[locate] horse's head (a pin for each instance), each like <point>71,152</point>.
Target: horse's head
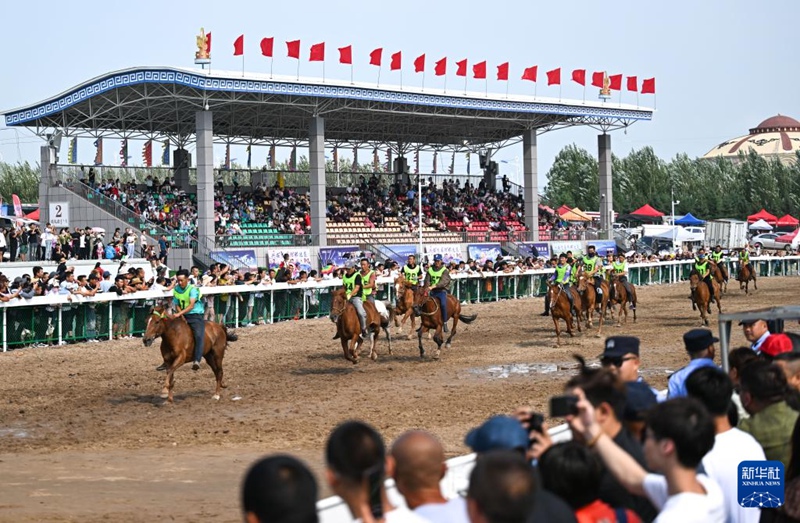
<point>552,291</point>
<point>694,280</point>
<point>420,298</point>
<point>400,285</point>
<point>583,281</point>
<point>338,304</point>
<point>156,324</point>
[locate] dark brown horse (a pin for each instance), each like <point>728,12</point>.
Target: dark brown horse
<point>720,274</point>
<point>405,305</point>
<point>429,310</point>
<point>559,308</point>
<point>745,276</point>
<point>587,286</point>
<point>621,297</point>
<point>348,328</point>
<point>701,296</point>
<point>177,346</point>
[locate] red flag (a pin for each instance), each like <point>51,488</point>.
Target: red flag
<point>502,71</point>
<point>649,86</point>
<point>633,84</point>
<point>375,56</point>
<point>346,55</point>
<point>293,49</point>
<point>554,77</point>
<point>440,68</point>
<point>579,76</point>
<point>267,45</point>
<point>317,53</point>
<point>397,59</point>
<point>419,63</point>
<point>461,68</point>
<point>615,82</point>
<point>530,73</point>
<point>238,46</point>
<point>479,70</point>
<point>597,79</point>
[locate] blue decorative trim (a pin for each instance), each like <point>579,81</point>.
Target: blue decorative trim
<point>205,83</point>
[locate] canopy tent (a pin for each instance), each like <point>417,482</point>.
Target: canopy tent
<point>33,215</point>
<point>563,210</point>
<point>689,221</point>
<point>575,215</point>
<point>646,210</point>
<point>788,221</point>
<point>678,234</point>
<point>545,208</point>
<point>787,238</point>
<point>760,225</point>
<point>763,215</point>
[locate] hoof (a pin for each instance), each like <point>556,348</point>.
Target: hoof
<point>408,336</point>
<point>446,345</point>
<point>163,395</point>
<point>215,397</point>
<point>374,356</point>
<point>436,354</point>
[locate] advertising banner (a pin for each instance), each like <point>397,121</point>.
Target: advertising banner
<point>449,251</point>
<point>558,247</point>
<point>238,259</point>
<point>401,252</point>
<point>603,246</point>
<point>299,256</point>
<point>483,252</point>
<point>535,249</point>
<point>336,256</point>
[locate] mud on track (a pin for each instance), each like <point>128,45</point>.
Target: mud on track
<point>85,437</point>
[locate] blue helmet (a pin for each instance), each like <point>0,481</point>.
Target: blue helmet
<point>437,257</point>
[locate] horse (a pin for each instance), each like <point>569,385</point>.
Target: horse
<point>621,298</point>
<point>702,297</point>
<point>344,315</point>
<point>177,346</point>
<point>720,274</point>
<point>429,310</point>
<point>746,274</point>
<point>405,305</point>
<point>587,286</point>
<point>559,308</point>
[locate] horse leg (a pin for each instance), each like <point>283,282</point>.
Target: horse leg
<point>169,380</point>
<point>373,354</point>
<point>558,331</point>
<point>388,339</point>
<point>216,366</point>
<point>354,347</point>
<point>452,331</point>
<point>634,305</point>
<point>603,305</point>
<point>755,287</point>
<point>419,339</point>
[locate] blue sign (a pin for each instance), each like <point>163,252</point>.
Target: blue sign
<point>399,253</point>
<point>239,259</point>
<point>535,249</point>
<point>483,252</point>
<point>760,484</point>
<point>603,246</point>
<point>336,256</point>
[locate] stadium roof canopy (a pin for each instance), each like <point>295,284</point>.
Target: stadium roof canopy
<point>160,102</point>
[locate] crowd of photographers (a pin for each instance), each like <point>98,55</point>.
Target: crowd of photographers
<point>634,454</point>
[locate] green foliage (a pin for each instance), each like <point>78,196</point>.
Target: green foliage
<point>572,180</point>
<point>20,179</point>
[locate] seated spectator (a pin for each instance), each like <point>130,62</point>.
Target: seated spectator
<point>699,344</point>
<point>763,391</point>
<point>713,388</point>
<point>419,466</point>
<point>679,433</point>
<point>573,473</point>
<point>502,489</point>
<point>279,489</point>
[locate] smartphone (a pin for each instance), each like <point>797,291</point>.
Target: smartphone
<point>561,406</point>
<point>535,422</point>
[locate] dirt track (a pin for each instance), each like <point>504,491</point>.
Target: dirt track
<point>85,436</point>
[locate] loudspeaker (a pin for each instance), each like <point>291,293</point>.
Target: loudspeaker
<point>482,161</point>
<point>54,140</point>
<point>181,159</point>
<point>400,165</point>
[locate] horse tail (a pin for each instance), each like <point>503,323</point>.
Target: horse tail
<point>229,335</point>
<point>468,318</point>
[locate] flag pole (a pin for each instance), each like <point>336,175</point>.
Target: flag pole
<point>423,80</point>
<point>271,61</point>
<point>486,87</point>
<point>507,82</point>
<point>584,92</point>
<point>445,84</point>
<point>465,84</point>
<point>401,79</point>
<point>351,73</point>
<point>242,65</point>
<point>298,68</point>
<point>323,71</point>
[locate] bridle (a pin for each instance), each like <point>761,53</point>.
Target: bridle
<point>428,299</point>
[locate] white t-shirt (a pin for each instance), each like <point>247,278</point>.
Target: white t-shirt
<point>721,464</point>
<point>686,507</point>
<point>454,511</point>
<point>400,515</point>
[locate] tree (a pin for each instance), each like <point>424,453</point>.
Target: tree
<point>643,178</point>
<point>573,180</point>
<point>20,179</point>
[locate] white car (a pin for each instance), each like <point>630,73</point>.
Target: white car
<point>768,241</point>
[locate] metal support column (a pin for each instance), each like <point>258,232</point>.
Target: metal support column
<point>530,183</point>
<point>47,159</point>
<point>205,178</point>
<point>316,160</point>
<point>606,187</point>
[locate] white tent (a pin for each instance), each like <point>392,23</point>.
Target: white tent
<point>678,234</point>
<point>760,225</point>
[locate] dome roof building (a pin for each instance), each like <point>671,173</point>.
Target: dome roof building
<point>777,137</point>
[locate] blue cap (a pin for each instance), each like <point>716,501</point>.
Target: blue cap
<point>437,257</point>
<point>619,346</point>
<point>498,432</point>
<point>639,399</point>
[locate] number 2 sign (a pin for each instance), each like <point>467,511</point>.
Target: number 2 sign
<point>59,214</point>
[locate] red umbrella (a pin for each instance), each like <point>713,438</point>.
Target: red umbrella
<point>788,220</point>
<point>762,215</point>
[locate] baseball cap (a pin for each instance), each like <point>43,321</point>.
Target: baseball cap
<point>498,432</point>
<point>749,322</point>
<point>698,339</point>
<point>106,274</point>
<point>619,346</point>
<point>639,399</point>
<point>776,344</point>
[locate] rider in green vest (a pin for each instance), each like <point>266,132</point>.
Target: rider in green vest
<point>411,271</point>
<point>351,281</point>
<point>439,283</point>
<point>703,268</point>
<point>620,269</point>
<point>368,278</point>
<point>717,257</point>
<point>593,266</point>
<point>186,298</point>
<point>562,277</point>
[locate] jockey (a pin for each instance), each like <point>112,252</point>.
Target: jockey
<point>620,269</point>
<point>439,282</point>
<point>412,272</point>
<point>351,281</point>
<point>716,257</point>
<point>186,297</point>
<point>368,278</point>
<point>593,266</point>
<point>562,277</point>
<point>744,256</point>
<point>703,268</point>
<point>608,265</point>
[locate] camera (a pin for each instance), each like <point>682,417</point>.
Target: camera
<point>561,406</point>
<point>535,422</point>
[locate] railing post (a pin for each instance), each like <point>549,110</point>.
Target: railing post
<point>236,312</point>
<point>305,304</point>
<point>60,325</point>
<point>272,305</point>
<point>5,329</point>
<point>496,287</point>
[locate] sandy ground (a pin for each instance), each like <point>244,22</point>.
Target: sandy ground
<point>85,436</point>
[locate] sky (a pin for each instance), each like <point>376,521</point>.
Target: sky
<point>721,67</point>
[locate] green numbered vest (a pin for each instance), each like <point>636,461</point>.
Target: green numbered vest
<point>412,275</point>
<point>619,267</point>
<point>561,273</point>
<point>349,282</point>
<point>435,275</point>
<point>744,256</point>
<point>590,263</point>
<point>183,296</point>
<point>701,268</point>
<point>365,280</point>
<point>716,256</point>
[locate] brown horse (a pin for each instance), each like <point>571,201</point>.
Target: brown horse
<point>348,328</point>
<point>405,305</point>
<point>702,297</point>
<point>559,308</point>
<point>177,346</point>
<point>587,286</point>
<point>429,310</point>
<point>745,276</point>
<point>720,274</point>
<point>621,298</point>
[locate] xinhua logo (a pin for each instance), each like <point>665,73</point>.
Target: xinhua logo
<point>761,484</point>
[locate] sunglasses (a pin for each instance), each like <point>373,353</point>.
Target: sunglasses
<point>617,362</point>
